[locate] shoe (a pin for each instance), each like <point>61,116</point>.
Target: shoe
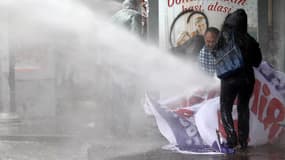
<point>231,145</point>
<point>243,145</point>
<point>242,150</point>
<point>232,142</point>
<point>224,148</point>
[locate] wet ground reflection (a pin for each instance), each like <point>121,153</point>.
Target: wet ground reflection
<point>21,150</point>
<point>267,152</point>
<point>121,150</point>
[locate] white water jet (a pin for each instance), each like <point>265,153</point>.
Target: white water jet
<point>93,61</point>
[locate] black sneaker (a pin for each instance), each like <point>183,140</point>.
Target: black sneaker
<point>242,150</point>
<point>243,145</point>
<point>232,142</point>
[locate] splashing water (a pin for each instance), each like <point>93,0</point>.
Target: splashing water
<point>93,61</point>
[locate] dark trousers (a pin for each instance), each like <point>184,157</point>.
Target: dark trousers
<point>240,87</point>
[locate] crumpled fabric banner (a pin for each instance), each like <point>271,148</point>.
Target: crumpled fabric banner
<point>190,123</point>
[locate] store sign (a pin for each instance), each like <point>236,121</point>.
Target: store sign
<point>205,13</point>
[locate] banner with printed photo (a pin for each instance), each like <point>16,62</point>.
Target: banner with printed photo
<point>206,13</point>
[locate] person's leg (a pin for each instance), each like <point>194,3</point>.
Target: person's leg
<point>244,95</point>
<point>227,97</point>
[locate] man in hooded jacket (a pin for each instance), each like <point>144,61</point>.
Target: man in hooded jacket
<point>239,84</point>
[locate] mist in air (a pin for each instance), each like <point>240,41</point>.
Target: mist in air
<point>97,67</point>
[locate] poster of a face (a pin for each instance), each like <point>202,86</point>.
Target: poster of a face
<point>199,14</point>
<point>197,25</point>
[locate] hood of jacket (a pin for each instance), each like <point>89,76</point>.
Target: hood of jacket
<point>237,21</point>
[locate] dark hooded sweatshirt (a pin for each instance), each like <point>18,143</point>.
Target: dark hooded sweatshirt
<point>236,24</point>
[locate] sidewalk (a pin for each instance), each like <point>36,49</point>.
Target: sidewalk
<point>66,128</point>
<point>37,129</point>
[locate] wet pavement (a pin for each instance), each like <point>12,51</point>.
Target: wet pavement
<point>252,154</point>
<point>143,151</point>
<point>55,139</point>
<point>32,150</point>
<point>40,139</point>
<point>119,150</point>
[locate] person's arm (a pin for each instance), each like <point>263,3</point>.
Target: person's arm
<point>258,56</point>
<point>201,59</point>
<point>255,56</point>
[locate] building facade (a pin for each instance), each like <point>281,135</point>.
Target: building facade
<point>265,22</point>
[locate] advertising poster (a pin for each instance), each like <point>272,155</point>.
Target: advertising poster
<point>180,20</point>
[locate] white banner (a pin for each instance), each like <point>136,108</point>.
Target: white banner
<point>214,12</point>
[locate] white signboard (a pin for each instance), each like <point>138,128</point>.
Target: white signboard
<point>212,14</point>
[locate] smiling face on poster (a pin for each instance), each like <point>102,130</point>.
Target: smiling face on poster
<point>214,11</point>
<point>197,25</point>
